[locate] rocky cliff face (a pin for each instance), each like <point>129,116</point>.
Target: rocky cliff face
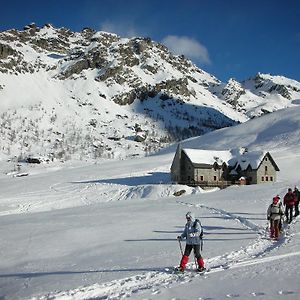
<point>83,94</point>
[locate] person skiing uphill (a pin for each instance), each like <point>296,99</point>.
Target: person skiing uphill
<point>274,214</point>
<point>193,234</point>
<point>289,201</point>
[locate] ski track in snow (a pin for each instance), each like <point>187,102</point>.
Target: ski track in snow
<point>62,194</point>
<point>156,280</point>
<point>81,193</point>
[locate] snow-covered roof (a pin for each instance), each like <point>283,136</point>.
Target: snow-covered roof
<point>234,158</point>
<point>243,160</point>
<point>199,156</point>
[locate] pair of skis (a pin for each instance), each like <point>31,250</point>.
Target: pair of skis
<point>201,272</point>
<point>177,270</point>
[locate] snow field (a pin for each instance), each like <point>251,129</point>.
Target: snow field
<point>108,230</point>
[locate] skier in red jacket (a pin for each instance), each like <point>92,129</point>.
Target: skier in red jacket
<point>289,201</point>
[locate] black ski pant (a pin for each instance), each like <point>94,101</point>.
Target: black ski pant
<point>188,249</point>
<point>289,213</point>
<point>297,209</point>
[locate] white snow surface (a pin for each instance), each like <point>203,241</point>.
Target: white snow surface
<point>108,230</point>
<point>208,156</point>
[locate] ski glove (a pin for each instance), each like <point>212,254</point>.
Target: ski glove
<point>195,234</point>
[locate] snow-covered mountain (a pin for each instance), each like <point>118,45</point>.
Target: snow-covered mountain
<point>261,94</point>
<point>91,94</point>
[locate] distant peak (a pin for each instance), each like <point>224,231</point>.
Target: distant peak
<point>48,25</point>
<point>32,25</point>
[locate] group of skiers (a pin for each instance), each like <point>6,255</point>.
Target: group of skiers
<point>193,230</point>
<point>275,211</point>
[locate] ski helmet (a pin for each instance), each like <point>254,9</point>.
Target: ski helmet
<point>189,215</point>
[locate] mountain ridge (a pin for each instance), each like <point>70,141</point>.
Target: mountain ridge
<point>92,94</point>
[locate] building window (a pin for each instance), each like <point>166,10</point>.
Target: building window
<point>215,178</point>
<point>266,169</point>
<point>267,178</point>
<point>262,178</point>
<point>201,178</point>
<point>271,178</point>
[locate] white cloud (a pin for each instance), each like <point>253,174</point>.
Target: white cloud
<point>123,30</point>
<point>188,47</point>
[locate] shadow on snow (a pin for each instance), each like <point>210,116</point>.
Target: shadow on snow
<point>149,178</point>
<point>55,273</point>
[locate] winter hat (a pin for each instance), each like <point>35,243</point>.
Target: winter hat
<point>189,215</point>
<point>276,199</point>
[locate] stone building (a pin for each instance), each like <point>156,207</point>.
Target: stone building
<point>208,168</point>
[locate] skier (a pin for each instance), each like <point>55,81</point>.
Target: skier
<point>297,196</point>
<point>289,201</point>
<point>274,214</point>
<point>193,233</point>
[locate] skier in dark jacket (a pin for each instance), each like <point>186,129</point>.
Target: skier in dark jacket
<point>297,196</point>
<point>289,201</point>
<point>193,234</point>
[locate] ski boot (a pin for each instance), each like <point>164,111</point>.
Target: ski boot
<point>179,270</point>
<point>201,270</point>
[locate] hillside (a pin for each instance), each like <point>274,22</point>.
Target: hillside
<point>272,132</point>
<point>89,95</point>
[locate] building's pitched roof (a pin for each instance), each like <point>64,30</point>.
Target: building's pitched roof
<point>244,160</point>
<point>208,157</point>
<point>233,158</point>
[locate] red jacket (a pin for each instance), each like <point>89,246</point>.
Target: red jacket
<point>289,199</point>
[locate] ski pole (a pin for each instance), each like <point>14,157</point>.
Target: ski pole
<point>180,247</point>
<point>196,264</point>
<point>201,244</point>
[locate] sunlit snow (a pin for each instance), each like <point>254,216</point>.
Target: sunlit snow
<point>108,230</point>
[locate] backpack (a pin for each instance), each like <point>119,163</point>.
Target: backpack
<point>275,209</point>
<point>195,224</point>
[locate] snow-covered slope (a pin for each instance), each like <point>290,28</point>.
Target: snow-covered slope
<point>86,95</point>
<point>278,130</point>
<point>108,230</point>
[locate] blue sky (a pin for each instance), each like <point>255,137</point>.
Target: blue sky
<point>227,38</point>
